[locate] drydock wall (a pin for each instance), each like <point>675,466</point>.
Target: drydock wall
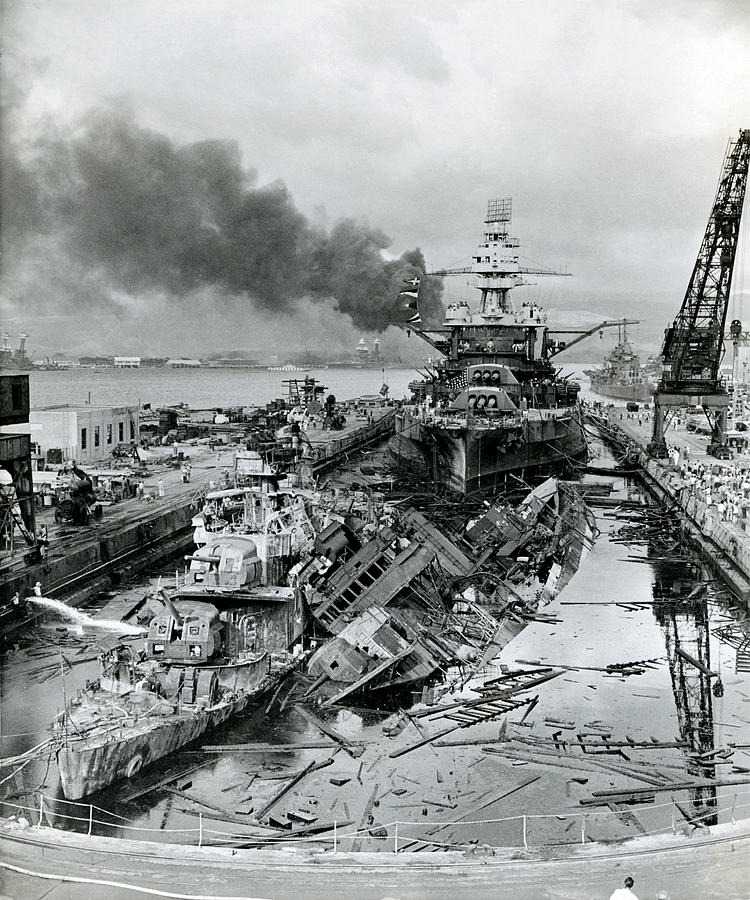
<point>97,554</point>
<point>728,556</point>
<point>710,865</point>
<point>726,549</point>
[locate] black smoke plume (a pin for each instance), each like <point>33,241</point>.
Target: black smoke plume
<point>144,214</point>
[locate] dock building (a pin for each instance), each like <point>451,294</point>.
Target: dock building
<point>16,487</point>
<point>85,434</point>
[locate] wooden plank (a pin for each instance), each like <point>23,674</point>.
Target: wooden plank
<point>218,809</point>
<point>267,748</point>
<point>603,797</point>
<point>693,661</point>
<point>262,840</point>
<point>494,799</point>
<point>133,795</point>
<point>353,749</point>
<point>396,753</point>
<point>357,842</point>
<point>626,816</point>
<point>313,767</point>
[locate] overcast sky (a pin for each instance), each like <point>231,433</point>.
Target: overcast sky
<point>605,121</point>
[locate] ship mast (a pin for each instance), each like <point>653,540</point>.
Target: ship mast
<point>495,262</point>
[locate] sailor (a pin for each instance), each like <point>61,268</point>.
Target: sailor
<point>42,541</point>
<point>624,893</point>
<point>160,487</point>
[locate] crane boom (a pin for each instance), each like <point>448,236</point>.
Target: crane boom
<point>694,343</point>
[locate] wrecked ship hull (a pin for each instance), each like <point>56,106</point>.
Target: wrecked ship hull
<point>99,757</point>
<point>87,767</point>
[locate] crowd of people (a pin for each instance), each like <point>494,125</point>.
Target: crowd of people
<point>723,488</point>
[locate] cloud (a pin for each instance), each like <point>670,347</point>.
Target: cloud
<point>606,123</point>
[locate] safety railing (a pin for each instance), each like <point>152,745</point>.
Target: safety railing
<point>399,835</point>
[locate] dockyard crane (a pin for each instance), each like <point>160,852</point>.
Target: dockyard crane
<point>694,343</point>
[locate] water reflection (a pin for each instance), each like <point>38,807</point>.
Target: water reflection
<point>681,609</point>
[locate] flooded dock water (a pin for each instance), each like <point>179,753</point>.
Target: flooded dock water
<point>641,727</point>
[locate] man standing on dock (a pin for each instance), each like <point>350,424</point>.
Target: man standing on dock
<point>624,893</point>
<point>160,487</point>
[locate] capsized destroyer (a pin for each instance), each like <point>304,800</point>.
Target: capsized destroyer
<point>493,403</point>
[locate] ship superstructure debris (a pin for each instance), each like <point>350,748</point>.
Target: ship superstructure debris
<point>396,602</point>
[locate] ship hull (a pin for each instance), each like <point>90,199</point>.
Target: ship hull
<point>640,392</point>
<point>472,459</point>
<point>94,760</point>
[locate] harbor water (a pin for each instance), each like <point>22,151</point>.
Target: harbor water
<point>209,388</point>
<point>201,388</point>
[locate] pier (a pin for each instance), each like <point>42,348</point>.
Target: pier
<point>329,449</point>
<point>723,537</point>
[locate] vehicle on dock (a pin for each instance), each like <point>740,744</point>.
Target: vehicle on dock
<point>75,499</point>
<point>493,403</point>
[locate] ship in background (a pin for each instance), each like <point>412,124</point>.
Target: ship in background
<point>16,360</point>
<point>622,376</point>
<point>492,405</point>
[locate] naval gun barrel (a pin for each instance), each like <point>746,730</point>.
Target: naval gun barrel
<point>170,606</point>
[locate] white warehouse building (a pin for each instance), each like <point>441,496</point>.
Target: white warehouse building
<point>85,434</point>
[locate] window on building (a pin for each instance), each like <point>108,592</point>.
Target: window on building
<point>132,430</point>
<point>120,431</point>
<point>16,395</point>
<point>84,438</point>
<point>96,435</point>
<point>109,433</point>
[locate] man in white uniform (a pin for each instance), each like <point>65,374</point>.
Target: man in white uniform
<point>624,893</point>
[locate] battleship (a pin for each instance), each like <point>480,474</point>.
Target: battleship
<point>492,405</point>
<point>622,376</point>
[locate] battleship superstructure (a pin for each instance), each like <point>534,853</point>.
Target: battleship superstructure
<point>492,404</point>
<point>621,376</point>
